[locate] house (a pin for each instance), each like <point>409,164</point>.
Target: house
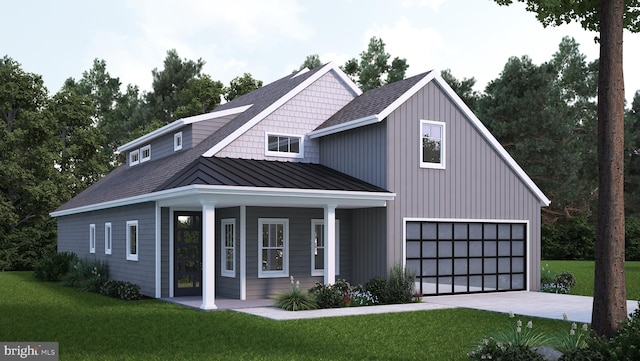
<point>311,178</point>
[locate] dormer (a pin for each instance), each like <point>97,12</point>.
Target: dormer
<point>177,136</point>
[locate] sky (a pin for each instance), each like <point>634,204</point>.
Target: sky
<point>270,38</point>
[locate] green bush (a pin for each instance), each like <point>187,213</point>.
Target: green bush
<point>571,240</point>
<point>379,289</point>
<point>557,283</point>
<point>331,296</point>
<point>401,285</point>
<point>361,297</point>
<point>491,349</point>
<point>121,289</point>
<point>86,275</point>
<point>53,267</point>
<point>632,238</point>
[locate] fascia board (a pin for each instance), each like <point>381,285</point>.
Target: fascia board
<point>345,126</point>
<point>491,139</point>
<point>180,123</point>
<point>275,105</point>
<point>375,198</point>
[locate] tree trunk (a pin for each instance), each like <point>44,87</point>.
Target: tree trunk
<point>609,301</point>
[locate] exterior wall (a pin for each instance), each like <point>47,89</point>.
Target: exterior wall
<point>299,249</point>
<point>73,236</point>
<point>201,130</point>
<point>302,114</point>
<point>361,153</point>
<point>476,184</point>
<point>165,218</point>
<point>227,286</point>
<point>368,248</point>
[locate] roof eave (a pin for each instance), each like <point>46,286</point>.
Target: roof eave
<point>352,124</point>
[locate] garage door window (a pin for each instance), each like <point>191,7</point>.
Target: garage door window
<point>450,257</point>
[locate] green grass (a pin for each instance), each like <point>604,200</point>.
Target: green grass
<point>93,327</point>
<point>583,271</point>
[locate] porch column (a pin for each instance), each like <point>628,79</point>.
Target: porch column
<point>329,244</point>
<point>208,255</point>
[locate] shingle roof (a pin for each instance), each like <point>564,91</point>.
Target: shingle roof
<point>124,182</point>
<point>372,102</point>
<point>265,173</point>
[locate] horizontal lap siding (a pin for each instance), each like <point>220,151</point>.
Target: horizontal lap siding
<point>73,236</point>
<point>476,184</point>
<point>299,249</point>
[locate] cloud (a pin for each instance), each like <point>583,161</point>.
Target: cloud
<point>433,4</point>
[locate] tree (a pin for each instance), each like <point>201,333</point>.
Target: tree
<point>632,158</point>
<point>373,66</point>
<point>311,62</point>
<point>29,182</point>
<point>201,95</point>
<point>241,85</point>
<point>464,88</point>
<point>168,85</point>
<point>609,17</point>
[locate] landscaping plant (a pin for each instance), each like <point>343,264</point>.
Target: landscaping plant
<point>295,299</point>
<point>52,267</point>
<point>86,275</point>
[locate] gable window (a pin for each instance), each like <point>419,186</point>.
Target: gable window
<point>284,145</point>
<point>107,238</point>
<point>317,247</point>
<point>177,141</point>
<point>132,240</point>
<point>273,247</point>
<point>432,144</point>
<point>134,157</point>
<point>145,153</point>
<point>92,238</point>
<point>228,247</point>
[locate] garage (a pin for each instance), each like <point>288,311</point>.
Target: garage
<point>466,257</point>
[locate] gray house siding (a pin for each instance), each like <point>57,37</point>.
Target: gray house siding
<point>201,130</point>
<point>299,249</point>
<point>165,218</point>
<point>476,184</point>
<point>360,153</point>
<point>227,286</point>
<point>369,243</point>
<point>73,236</point>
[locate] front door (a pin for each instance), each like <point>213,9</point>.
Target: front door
<point>187,251</point>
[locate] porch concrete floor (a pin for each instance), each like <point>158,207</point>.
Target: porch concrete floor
<point>534,304</point>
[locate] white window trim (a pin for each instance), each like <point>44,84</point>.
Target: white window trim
<point>443,145</point>
<point>314,271</point>
<point>133,153</point>
<point>177,141</point>
<point>223,248</point>
<point>92,238</point>
<point>142,150</point>
<point>269,153</point>
<point>285,262</point>
<point>108,238</point>
<point>131,256</point>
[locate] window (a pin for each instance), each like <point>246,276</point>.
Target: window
<point>132,240</point>
<point>284,145</point>
<point>177,141</point>
<point>432,144</point>
<point>273,245</point>
<point>317,247</point>
<point>92,238</point>
<point>107,238</point>
<point>145,153</point>
<point>228,247</point>
<point>134,157</point>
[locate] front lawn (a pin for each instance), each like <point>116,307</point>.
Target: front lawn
<point>583,272</point>
<point>93,327</point>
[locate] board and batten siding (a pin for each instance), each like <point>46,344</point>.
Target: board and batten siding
<point>476,184</point>
<point>73,236</point>
<point>165,218</point>
<point>299,116</point>
<point>299,249</point>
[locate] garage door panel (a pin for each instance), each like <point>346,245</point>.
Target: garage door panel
<point>466,257</point>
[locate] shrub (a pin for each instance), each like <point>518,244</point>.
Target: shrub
<point>86,275</point>
<point>53,267</point>
<point>379,289</point>
<point>295,299</point>
<point>331,296</point>
<point>121,289</point>
<point>575,339</point>
<point>361,297</point>
<point>556,283</point>
<point>401,285</point>
<point>571,240</point>
<point>491,349</point>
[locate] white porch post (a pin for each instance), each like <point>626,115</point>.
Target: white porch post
<point>208,256</point>
<point>329,244</point>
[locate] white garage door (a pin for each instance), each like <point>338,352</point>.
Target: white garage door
<point>466,257</point>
